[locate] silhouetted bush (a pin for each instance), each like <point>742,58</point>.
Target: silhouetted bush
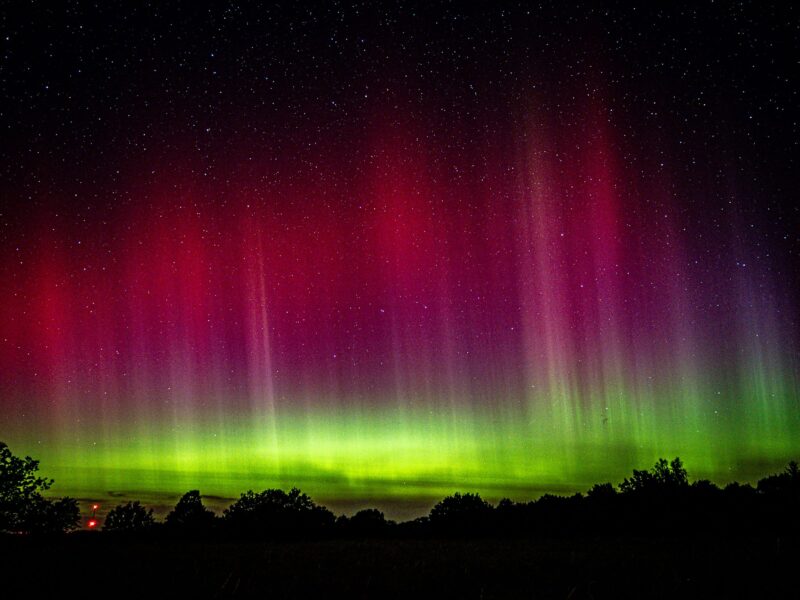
<point>189,516</point>
<point>779,495</point>
<point>601,492</point>
<point>663,477</point>
<point>23,509</point>
<point>131,518</point>
<point>273,513</point>
<point>461,513</point>
<point>416,528</point>
<point>785,484</point>
<point>369,522</point>
<point>52,516</point>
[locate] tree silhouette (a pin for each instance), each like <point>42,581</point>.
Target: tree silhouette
<point>23,508</point>
<point>53,516</point>
<point>662,477</point>
<point>369,521</point>
<point>461,512</point>
<point>601,492</point>
<point>130,517</point>
<point>189,514</point>
<point>783,484</point>
<point>275,512</point>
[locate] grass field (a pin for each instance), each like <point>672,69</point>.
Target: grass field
<point>100,566</point>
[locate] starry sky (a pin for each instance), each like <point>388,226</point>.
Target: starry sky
<point>387,252</point>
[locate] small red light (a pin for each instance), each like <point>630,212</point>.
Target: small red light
<point>95,506</point>
<point>92,523</point>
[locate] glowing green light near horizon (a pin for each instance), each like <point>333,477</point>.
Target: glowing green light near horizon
<point>425,453</point>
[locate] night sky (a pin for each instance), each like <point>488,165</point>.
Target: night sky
<point>388,253</point>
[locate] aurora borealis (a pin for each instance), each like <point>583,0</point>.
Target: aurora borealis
<point>389,255</point>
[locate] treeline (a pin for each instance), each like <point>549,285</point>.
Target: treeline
<point>659,501</point>
<point>656,502</point>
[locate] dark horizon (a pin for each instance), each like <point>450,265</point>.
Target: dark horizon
<point>399,510</point>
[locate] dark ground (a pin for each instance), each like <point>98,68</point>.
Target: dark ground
<point>99,566</point>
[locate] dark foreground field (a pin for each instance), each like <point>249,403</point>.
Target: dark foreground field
<point>99,566</point>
